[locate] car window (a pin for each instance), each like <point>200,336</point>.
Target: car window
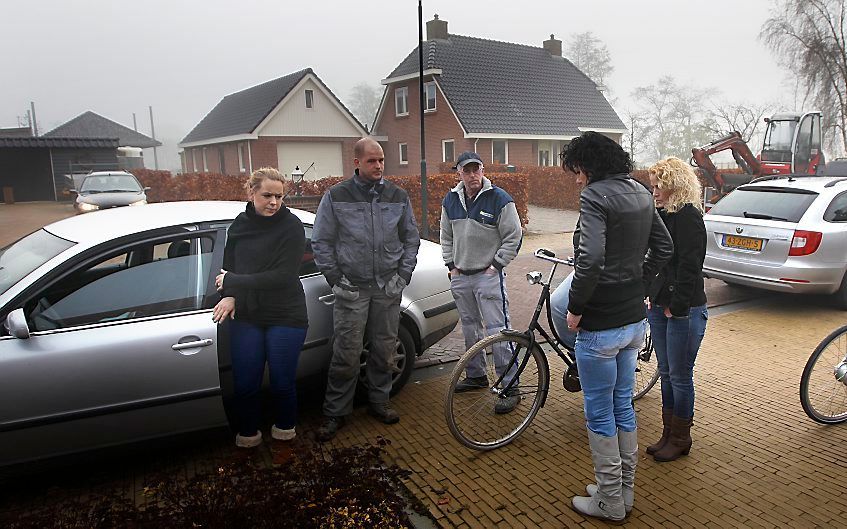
<point>145,280</point>
<point>308,266</point>
<point>837,210</point>
<point>778,203</point>
<point>22,257</point>
<point>110,184</point>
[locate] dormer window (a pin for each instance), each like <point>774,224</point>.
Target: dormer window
<point>429,91</point>
<point>310,99</point>
<point>401,101</point>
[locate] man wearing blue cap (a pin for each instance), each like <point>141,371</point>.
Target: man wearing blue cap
<point>480,235</point>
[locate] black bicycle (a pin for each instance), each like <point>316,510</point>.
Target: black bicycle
<point>823,386</point>
<point>471,415</point>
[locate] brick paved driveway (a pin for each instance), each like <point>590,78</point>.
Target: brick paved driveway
<point>757,460</point>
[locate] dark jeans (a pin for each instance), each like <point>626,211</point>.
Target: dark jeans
<point>676,341</point>
<point>253,345</point>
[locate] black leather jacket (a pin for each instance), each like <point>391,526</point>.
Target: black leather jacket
<point>622,241</point>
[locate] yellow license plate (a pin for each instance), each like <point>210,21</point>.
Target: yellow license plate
<point>743,243</point>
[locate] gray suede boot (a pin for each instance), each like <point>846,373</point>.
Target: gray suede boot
<point>628,446</point>
<point>607,503</point>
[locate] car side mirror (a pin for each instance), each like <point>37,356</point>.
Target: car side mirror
<point>16,324</point>
<point>74,191</point>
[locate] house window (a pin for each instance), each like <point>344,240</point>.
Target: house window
<point>429,90</point>
<point>205,161</point>
<point>194,166</point>
<point>500,151</point>
<point>221,161</point>
<point>448,151</point>
<point>543,157</point>
<point>401,101</point>
<point>241,167</point>
<point>404,154</point>
<point>310,99</point>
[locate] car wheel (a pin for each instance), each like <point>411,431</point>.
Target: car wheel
<point>840,295</point>
<point>403,362</point>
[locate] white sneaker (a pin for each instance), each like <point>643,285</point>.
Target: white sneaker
<point>248,442</point>
<point>283,435</point>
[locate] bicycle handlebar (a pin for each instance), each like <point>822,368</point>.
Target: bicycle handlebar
<point>547,255</point>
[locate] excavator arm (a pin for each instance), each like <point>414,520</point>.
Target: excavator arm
<point>740,151</point>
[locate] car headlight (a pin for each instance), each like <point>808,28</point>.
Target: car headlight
<point>86,207</point>
<point>139,202</point>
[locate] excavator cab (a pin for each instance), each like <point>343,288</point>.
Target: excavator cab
<point>792,144</point>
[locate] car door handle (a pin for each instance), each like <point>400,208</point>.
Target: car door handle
<point>191,345</point>
<point>328,299</point>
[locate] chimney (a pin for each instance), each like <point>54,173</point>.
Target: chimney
<point>437,29</point>
<point>553,46</point>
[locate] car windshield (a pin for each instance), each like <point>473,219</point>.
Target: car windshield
<point>773,203</point>
<point>20,258</point>
<point>110,184</point>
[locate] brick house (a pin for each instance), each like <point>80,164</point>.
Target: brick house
<point>512,103</point>
<point>287,122</point>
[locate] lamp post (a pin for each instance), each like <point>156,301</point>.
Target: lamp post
<point>297,178</point>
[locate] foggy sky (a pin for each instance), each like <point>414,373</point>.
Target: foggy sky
<point>116,57</point>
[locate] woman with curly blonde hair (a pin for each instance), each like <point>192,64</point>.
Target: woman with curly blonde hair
<point>677,302</point>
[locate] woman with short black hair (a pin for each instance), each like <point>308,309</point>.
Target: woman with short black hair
<point>618,226</point>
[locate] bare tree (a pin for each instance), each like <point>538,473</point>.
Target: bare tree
<point>636,140</point>
<point>809,38</point>
<point>364,102</point>
<point>744,117</point>
<point>675,117</point>
<point>589,54</point>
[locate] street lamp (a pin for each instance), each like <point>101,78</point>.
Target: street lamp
<point>297,178</point>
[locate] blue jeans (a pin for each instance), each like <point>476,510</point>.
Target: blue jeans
<point>559,311</point>
<point>252,345</point>
<point>606,361</point>
<point>676,341</point>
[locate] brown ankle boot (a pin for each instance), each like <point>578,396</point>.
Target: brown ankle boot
<point>667,413</point>
<point>679,441</point>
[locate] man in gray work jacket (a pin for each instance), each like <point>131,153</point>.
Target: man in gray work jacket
<point>365,243</point>
<point>480,235</point>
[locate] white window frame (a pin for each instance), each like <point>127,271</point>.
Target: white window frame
<point>506,149</point>
<point>404,91</point>
<point>444,150</point>
<point>194,160</point>
<point>400,147</point>
<point>310,99</point>
<point>427,86</point>
<point>205,161</point>
<point>241,167</point>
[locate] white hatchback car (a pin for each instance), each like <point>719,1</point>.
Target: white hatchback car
<point>785,233</point>
<point>107,334</point>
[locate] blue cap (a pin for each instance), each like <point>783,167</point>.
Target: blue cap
<point>466,158</point>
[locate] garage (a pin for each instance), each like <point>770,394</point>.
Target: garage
<point>326,156</point>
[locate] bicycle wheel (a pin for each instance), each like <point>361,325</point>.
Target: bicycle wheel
<point>646,370</point>
<point>823,386</point>
<point>471,415</point>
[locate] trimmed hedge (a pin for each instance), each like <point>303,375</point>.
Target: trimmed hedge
<point>165,187</point>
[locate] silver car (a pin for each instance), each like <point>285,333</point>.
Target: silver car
<point>109,189</point>
<point>785,233</point>
<point>108,337</point>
